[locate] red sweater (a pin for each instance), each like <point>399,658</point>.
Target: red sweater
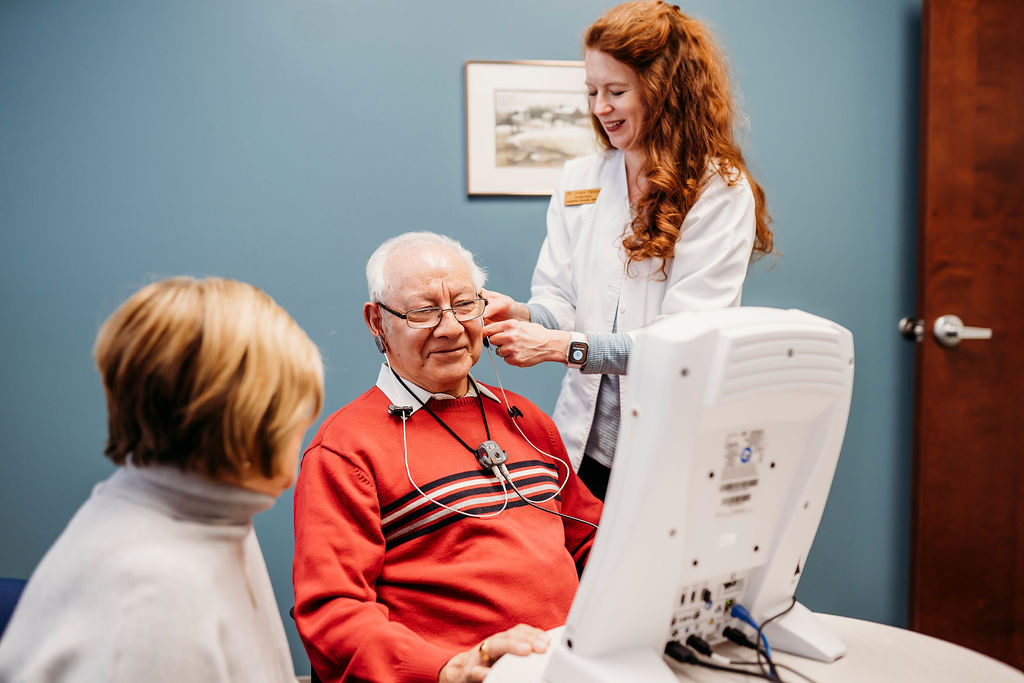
<point>388,585</point>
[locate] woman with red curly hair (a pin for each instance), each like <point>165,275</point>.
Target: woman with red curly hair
<point>665,219</point>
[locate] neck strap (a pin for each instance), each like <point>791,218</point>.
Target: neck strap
<point>479,400</point>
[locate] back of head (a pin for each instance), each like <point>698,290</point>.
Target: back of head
<point>210,375</point>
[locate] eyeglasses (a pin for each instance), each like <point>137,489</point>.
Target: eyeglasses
<point>423,318</point>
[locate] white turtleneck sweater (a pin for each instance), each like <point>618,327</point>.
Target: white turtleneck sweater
<point>158,577</point>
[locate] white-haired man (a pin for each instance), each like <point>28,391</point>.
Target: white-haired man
<point>415,557</point>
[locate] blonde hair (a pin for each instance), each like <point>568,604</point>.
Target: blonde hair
<point>209,375</point>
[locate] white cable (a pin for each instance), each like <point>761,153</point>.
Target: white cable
<point>408,472</point>
<point>394,380</point>
<point>508,477</point>
<point>501,480</point>
<point>507,408</point>
<point>405,448</point>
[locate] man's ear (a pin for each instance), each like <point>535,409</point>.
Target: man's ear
<point>371,315</point>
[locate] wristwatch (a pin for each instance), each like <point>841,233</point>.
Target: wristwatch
<point>576,354</point>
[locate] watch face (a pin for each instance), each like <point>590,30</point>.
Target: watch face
<point>578,353</point>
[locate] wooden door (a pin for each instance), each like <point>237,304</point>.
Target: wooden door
<point>967,558</point>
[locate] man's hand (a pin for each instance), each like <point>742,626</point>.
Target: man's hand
<point>526,344</point>
<point>501,307</point>
<point>472,665</point>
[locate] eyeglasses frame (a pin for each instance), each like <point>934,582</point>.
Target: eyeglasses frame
<point>440,315</point>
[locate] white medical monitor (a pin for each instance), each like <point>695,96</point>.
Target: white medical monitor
<point>732,422</point>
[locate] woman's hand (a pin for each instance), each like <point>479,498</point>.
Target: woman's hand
<point>524,344</point>
<point>472,665</point>
<point>501,307</point>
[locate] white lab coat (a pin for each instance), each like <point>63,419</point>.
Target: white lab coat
<point>581,276</point>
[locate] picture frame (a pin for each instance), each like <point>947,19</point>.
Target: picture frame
<point>524,120</point>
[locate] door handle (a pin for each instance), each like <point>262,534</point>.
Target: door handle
<point>950,331</point>
<point>911,329</point>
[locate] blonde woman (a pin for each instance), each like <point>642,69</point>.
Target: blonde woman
<point>210,386</point>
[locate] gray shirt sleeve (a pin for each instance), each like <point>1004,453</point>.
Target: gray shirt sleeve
<point>609,351</point>
<point>542,316</point>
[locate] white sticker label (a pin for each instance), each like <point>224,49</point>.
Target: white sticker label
<point>743,454</point>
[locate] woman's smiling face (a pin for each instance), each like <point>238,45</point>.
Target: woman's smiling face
<point>614,92</point>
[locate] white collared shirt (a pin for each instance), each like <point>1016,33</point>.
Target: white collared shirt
<point>398,395</point>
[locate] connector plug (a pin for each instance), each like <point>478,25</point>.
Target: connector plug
<point>701,646</point>
<point>739,637</point>
<point>680,652</point>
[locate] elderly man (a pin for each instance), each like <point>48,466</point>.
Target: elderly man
<point>416,557</point>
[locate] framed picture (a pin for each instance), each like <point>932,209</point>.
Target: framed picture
<point>524,120</point>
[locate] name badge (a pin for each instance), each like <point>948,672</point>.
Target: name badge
<point>577,197</point>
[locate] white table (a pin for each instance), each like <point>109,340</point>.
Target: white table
<point>876,653</point>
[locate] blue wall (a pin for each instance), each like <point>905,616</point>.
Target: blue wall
<point>278,143</point>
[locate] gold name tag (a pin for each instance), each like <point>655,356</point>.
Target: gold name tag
<point>577,197</point>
